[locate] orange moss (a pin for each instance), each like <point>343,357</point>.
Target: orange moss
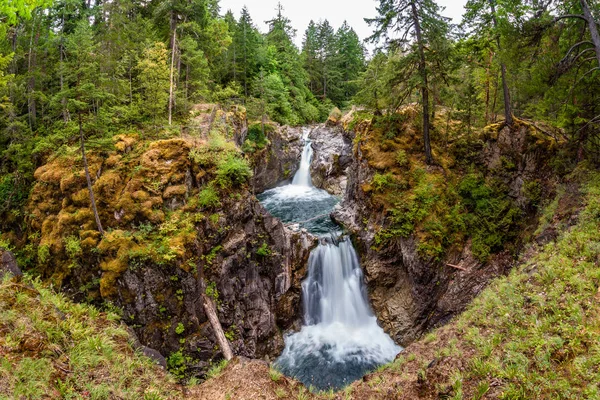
<point>174,191</point>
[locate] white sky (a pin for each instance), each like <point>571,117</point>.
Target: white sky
<point>300,12</point>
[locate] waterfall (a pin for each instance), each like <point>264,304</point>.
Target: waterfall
<point>334,292</point>
<point>302,177</point>
<point>340,340</point>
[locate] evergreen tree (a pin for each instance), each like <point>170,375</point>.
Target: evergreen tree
<point>489,18</point>
<point>350,60</point>
<point>420,20</point>
<point>153,80</point>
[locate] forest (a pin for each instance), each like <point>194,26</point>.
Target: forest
<point>112,66</point>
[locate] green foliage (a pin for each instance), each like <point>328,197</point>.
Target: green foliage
<point>232,171</point>
<point>101,363</point>
<point>176,363</point>
<point>492,219</point>
<point>209,198</point>
<point>382,182</point>
<point>216,369</point>
<point>180,328</point>
<point>72,247</point>
<point>264,250</point>
<point>154,79</point>
<point>256,139</point>
<point>402,159</point>
<point>212,291</point>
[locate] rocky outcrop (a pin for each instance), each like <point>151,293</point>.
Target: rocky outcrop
<point>173,232</point>
<point>332,155</point>
<point>279,161</point>
<point>8,264</point>
<point>411,294</point>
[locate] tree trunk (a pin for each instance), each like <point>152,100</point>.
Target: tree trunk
<point>488,79</point>
<point>89,179</point>
<point>424,84</point>
<point>211,313</point>
<point>171,79</point>
<point>31,81</point>
<point>507,108</point>
<point>592,26</point>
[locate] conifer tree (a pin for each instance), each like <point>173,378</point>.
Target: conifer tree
<point>420,21</point>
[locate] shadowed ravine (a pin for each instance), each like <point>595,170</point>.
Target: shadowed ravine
<point>341,340</point>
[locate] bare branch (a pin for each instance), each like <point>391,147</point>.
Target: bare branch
<point>574,47</point>
<point>570,16</point>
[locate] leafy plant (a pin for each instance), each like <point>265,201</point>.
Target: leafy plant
<point>232,171</point>
<point>208,198</point>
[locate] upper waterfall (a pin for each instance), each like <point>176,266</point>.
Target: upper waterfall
<point>302,177</point>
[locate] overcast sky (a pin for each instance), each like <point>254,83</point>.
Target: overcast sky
<point>300,12</point>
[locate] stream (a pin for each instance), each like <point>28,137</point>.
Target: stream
<point>340,340</point>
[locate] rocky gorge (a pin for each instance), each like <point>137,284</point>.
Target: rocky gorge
<point>169,242</point>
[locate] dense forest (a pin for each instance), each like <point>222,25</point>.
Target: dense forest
<point>110,67</point>
<point>138,139</point>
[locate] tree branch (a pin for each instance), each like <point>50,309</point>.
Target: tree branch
<point>570,16</point>
<point>574,47</point>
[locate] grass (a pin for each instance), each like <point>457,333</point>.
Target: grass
<point>216,369</point>
<point>537,330</point>
<point>51,347</point>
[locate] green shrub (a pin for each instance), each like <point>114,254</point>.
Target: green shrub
<point>176,364</point>
<point>233,171</point>
<point>264,250</point>
<point>208,198</point>
<point>179,329</point>
<point>256,139</point>
<point>492,217</point>
<point>381,182</point>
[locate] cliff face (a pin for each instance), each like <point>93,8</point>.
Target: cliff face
<point>279,160</point>
<point>412,291</point>
<point>180,219</point>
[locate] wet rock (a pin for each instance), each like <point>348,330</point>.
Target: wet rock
<point>332,155</point>
<point>280,160</point>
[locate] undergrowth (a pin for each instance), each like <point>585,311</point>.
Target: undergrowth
<point>53,348</point>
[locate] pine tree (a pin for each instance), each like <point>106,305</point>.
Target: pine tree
<point>420,20</point>
<point>350,60</point>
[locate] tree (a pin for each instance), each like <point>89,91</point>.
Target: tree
<point>85,94</point>
<point>373,88</point>
<point>420,20</point>
<point>287,63</point>
<point>246,43</point>
<point>490,17</point>
<point>154,79</point>
<point>350,60</point>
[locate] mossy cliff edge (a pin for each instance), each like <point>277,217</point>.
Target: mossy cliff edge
<point>180,219</point>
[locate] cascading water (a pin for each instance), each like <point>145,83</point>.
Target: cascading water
<point>341,340</point>
<point>302,177</point>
